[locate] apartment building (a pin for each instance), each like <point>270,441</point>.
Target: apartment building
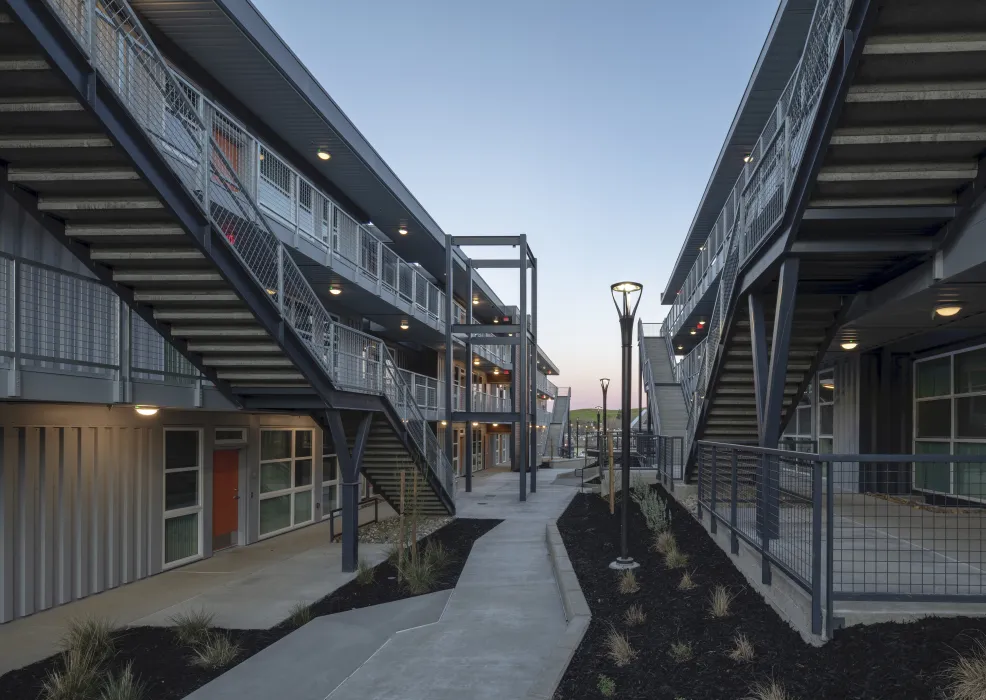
<point>221,313</point>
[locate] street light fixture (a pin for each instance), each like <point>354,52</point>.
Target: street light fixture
<point>626,297</point>
<point>604,383</point>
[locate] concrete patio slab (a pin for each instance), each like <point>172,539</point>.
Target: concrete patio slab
<point>296,668</point>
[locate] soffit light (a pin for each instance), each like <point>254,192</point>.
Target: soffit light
<point>828,385</point>
<point>496,320</point>
<point>947,309</point>
<point>323,154</point>
<point>495,425</point>
<point>475,424</point>
<point>496,370</point>
<point>849,345</point>
<point>681,347</point>
<point>475,301</point>
<point>402,230</point>
<point>146,410</point>
<point>405,325</point>
<point>335,290</point>
<point>692,332</point>
<point>476,361</point>
<point>748,158</point>
<point>444,422</point>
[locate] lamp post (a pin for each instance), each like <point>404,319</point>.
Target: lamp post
<point>626,296</point>
<point>604,383</point>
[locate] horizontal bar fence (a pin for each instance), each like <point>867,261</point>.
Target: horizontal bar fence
<point>860,527</point>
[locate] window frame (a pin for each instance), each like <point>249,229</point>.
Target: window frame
<point>198,509</point>
<point>291,490</point>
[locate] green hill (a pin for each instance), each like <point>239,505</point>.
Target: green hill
<point>588,415</point>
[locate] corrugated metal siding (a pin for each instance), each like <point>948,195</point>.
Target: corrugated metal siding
<point>79,510</point>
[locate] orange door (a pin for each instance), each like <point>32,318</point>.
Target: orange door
<point>225,497</point>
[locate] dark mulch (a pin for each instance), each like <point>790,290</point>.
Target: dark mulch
<point>892,661</point>
<point>163,665</point>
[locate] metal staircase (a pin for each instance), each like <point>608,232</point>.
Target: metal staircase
<point>559,422</point>
<point>102,144</point>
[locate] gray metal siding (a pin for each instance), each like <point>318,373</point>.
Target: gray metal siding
<point>845,418</point>
<point>81,496</point>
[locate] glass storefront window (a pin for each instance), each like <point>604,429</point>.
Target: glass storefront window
<point>182,495</point>
<point>932,378</point>
<point>285,479</point>
<point>970,372</point>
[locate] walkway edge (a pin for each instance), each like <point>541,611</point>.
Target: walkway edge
<point>576,612</point>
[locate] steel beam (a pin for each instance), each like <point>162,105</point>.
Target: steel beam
<point>897,213</point>
<point>522,371</point>
<point>780,344</point>
<point>864,245</point>
<point>468,406</point>
<point>449,346</point>
<point>532,363</point>
<point>488,240</point>
<point>479,263</point>
<point>470,417</point>
<point>485,328</point>
<point>758,344</point>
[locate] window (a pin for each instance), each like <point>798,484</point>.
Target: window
<point>182,495</point>
<point>226,436</point>
<point>800,432</point>
<point>950,418</point>
<point>285,479</point>
<point>477,449</point>
<point>826,411</point>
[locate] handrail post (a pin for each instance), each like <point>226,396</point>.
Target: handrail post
<point>829,545</point>
<point>733,506</point>
<point>712,498</point>
<point>699,458</point>
<point>816,548</point>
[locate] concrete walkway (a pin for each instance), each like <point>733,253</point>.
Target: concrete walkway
<point>492,637</point>
<point>245,587</point>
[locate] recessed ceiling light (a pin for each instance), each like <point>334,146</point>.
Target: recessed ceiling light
<point>748,158</point>
<point>681,347</point>
<point>849,345</point>
<point>335,290</point>
<point>701,323</point>
<point>323,154</point>
<point>475,424</point>
<point>692,332</point>
<point>444,422</point>
<point>947,309</point>
<point>402,230</point>
<point>146,410</point>
<point>496,370</point>
<point>496,320</point>
<point>475,361</point>
<point>828,385</point>
<point>495,425</point>
<point>405,325</point>
<point>475,300</point>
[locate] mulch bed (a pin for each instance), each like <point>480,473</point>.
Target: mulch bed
<point>163,665</point>
<point>892,661</point>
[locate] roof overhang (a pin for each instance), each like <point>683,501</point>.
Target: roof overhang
<point>778,58</point>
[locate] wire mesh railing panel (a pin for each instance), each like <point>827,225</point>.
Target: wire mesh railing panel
<point>388,267</point>
<point>405,281</point>
<point>909,529</point>
<point>152,358</point>
<point>66,322</point>
<point>7,326</point>
<point>346,239</point>
<point>369,254</point>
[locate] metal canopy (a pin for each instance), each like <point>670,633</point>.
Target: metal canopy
<point>778,58</point>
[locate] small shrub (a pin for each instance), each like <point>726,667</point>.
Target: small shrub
<point>301,614</point>
<point>437,555</point>
<point>655,510</point>
<point>773,691</point>
<point>675,559</point>
<point>634,615</point>
<point>628,582</point>
<point>192,627</point>
<point>607,686</point>
<point>665,542</point>
<point>742,648</point>
<point>719,601</point>
<point>125,686</point>
<point>215,651</point>
<point>687,582</point>
<point>639,490</point>
<point>619,649</point>
<point>78,677</point>
<point>681,652</point>
<point>364,573</point>
<point>967,675</point>
<point>421,573</point>
<point>90,633</point>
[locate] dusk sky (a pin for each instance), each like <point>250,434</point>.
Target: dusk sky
<point>590,126</point>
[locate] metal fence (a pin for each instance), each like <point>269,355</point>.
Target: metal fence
<point>170,115</point>
<point>883,527</point>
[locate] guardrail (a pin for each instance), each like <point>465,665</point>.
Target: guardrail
<point>885,527</point>
<point>120,49</point>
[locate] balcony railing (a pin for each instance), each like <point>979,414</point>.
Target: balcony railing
<point>758,199</point>
<point>119,48</point>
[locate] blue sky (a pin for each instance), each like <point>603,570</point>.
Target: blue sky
<point>590,126</point>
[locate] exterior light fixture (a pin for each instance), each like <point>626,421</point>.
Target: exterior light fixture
<point>626,298</point>
<point>701,323</point>
<point>496,370</point>
<point>405,325</point>
<point>748,158</point>
<point>947,309</point>
<point>402,230</point>
<point>681,347</point>
<point>828,385</point>
<point>335,290</point>
<point>475,301</point>
<point>692,332</point>
<point>444,422</point>
<point>475,361</point>
<point>849,345</point>
<point>496,320</point>
<point>323,154</point>
<point>475,424</point>
<point>146,410</point>
<point>496,425</point>
<point>272,292</point>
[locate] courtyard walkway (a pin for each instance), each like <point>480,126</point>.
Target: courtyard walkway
<point>490,638</point>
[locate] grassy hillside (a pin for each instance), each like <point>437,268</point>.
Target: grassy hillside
<point>588,415</point>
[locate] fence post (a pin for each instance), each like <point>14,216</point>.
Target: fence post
<point>733,495</point>
<point>712,497</point>
<point>816,548</point>
<point>829,545</point>
<point>762,498</point>
<point>698,458</point>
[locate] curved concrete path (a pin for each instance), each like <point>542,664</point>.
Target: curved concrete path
<point>493,637</point>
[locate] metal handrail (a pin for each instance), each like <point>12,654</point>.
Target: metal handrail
<point>761,191</point>
<point>118,46</point>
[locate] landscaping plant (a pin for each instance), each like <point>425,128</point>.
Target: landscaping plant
<point>79,676</point>
<point>124,686</point>
<point>217,650</point>
<point>773,691</point>
<point>628,582</point>
<point>742,648</point>
<point>675,559</point>
<point>634,615</point>
<point>607,686</point>
<point>665,542</point>
<point>364,573</point>
<point>193,626</point>
<point>92,634</point>
<point>301,614</point>
<point>720,600</point>
<point>687,583</point>
<point>967,675</point>
<point>618,648</point>
<point>681,652</point>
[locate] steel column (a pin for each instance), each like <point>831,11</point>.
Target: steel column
<point>349,465</point>
<point>758,341</point>
<point>779,347</point>
<point>449,355</point>
<point>532,364</point>
<point>469,366</point>
<point>520,369</point>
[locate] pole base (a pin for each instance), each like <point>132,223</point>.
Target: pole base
<point>622,564</point>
